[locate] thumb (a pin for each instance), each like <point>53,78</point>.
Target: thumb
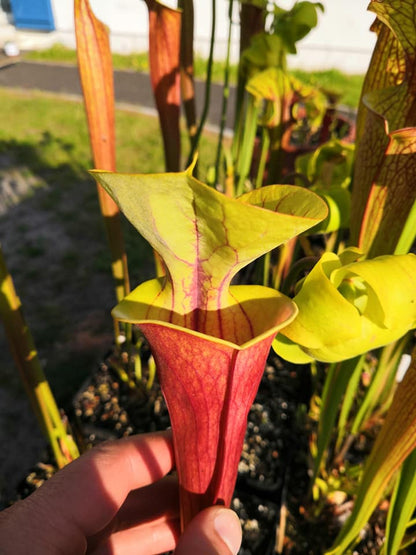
<point>214,531</point>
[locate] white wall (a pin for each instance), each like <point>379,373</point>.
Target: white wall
<point>127,19</point>
<point>341,40</point>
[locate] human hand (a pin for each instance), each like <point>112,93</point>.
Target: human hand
<point>116,499</point>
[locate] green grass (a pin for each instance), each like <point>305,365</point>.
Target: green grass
<point>138,61</point>
<point>56,53</point>
<point>348,86</point>
<point>61,54</point>
<point>50,133</point>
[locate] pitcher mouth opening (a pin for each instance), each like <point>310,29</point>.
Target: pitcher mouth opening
<point>253,312</point>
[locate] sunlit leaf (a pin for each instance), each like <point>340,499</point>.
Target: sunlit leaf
<point>338,200</point>
<point>397,438</point>
<point>408,232</point>
<point>96,74</point>
<point>204,237</point>
<point>329,166</point>
<point>265,51</point>
<point>310,103</point>
<point>294,24</point>
<point>402,505</point>
<point>274,86</point>
<point>345,309</point>
<point>384,192</point>
<point>164,61</point>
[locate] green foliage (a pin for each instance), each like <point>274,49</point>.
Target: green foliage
<point>265,51</point>
<point>403,504</point>
<point>355,308</point>
<point>346,88</point>
<point>359,299</point>
<point>396,438</point>
<point>329,166</point>
<point>294,24</point>
<point>339,390</point>
<point>386,114</point>
<point>328,172</point>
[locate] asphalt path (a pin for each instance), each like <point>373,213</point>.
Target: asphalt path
<point>131,87</point>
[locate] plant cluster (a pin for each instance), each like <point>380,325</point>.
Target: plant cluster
<point>298,240</point>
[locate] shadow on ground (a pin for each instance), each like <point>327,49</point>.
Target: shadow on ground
<point>53,241</point>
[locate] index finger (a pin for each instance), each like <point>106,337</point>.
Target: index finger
<point>86,495</point>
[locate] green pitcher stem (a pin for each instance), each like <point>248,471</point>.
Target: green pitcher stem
<point>208,82</point>
<point>265,145</point>
<point>247,147</point>
<point>62,443</point>
<point>225,95</point>
<point>32,375</point>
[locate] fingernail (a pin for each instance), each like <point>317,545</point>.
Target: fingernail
<point>227,526</point>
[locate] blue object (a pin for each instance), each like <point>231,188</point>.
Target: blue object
<point>33,14</point>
